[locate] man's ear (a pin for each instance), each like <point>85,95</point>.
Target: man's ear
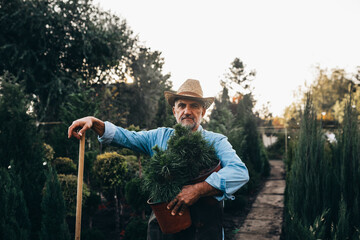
<point>173,110</point>
<point>203,111</point>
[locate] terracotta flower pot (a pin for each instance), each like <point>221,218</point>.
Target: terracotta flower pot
<point>173,224</point>
<point>169,223</point>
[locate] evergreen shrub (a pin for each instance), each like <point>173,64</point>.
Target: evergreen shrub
<point>322,196</point>
<point>14,219</point>
<point>92,234</point>
<point>21,146</point>
<point>134,194</point>
<point>110,169</point>
<point>136,229</point>
<point>64,165</point>
<point>53,222</point>
<point>277,149</point>
<point>68,184</point>
<point>48,152</point>
<point>187,156</point>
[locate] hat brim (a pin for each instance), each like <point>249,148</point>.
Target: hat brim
<point>171,97</point>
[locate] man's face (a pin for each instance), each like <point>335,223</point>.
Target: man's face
<point>189,113</point>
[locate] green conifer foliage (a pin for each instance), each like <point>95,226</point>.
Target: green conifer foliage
<point>322,191</point>
<point>133,194</point>
<point>68,185</point>
<point>187,155</point>
<point>64,165</point>
<point>14,219</point>
<point>136,229</point>
<point>221,118</point>
<point>347,156</point>
<point>21,144</point>
<point>110,170</point>
<point>304,195</point>
<point>53,224</point>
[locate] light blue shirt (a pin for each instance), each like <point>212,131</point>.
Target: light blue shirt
<point>232,176</point>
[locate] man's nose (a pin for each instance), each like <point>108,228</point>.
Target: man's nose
<point>187,111</point>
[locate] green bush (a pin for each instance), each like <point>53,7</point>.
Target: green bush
<point>92,234</point>
<point>110,170</point>
<point>68,185</point>
<point>21,145</point>
<point>64,165</point>
<point>14,218</point>
<point>53,223</point>
<point>136,229</point>
<point>48,152</point>
<point>322,197</point>
<point>133,166</point>
<point>167,172</point>
<point>277,149</point>
<point>134,194</point>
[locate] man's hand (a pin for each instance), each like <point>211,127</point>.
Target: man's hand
<point>79,127</point>
<point>189,195</point>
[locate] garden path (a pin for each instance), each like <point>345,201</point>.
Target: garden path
<point>265,218</point>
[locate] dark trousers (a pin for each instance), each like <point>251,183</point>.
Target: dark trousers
<point>206,217</point>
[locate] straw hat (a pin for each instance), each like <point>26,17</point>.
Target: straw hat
<point>190,89</point>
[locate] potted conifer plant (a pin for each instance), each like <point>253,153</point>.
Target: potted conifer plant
<point>189,158</point>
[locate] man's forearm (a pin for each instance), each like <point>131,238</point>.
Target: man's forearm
<point>206,189</point>
<point>189,195</point>
<point>98,126</point>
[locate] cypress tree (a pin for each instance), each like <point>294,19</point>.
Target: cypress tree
<point>246,140</point>
<point>221,118</point>
<point>14,219</point>
<point>347,154</point>
<point>304,192</point>
<point>322,191</point>
<point>53,224</point>
<point>20,143</point>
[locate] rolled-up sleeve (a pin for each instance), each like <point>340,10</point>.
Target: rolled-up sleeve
<point>142,141</point>
<point>109,133</point>
<point>233,174</point>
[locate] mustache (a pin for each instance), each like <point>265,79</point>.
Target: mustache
<point>192,118</point>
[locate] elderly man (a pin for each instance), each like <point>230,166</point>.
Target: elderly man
<point>189,107</point>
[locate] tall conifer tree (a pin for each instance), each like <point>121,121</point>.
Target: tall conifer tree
<point>53,224</point>
<point>14,219</point>
<point>20,144</point>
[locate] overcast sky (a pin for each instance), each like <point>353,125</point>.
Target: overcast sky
<point>283,40</point>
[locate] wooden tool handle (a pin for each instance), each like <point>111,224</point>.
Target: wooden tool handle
<point>79,187</point>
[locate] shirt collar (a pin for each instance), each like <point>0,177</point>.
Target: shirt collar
<point>200,128</point>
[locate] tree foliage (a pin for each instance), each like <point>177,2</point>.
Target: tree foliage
<point>330,91</point>
<point>14,219</point>
<point>187,156</point>
<point>136,99</point>
<point>149,85</point>
<point>239,77</point>
<point>237,120</point>
<point>21,146</point>
<point>53,222</point>
<point>56,46</point>
<point>221,118</point>
<point>64,165</point>
<point>68,184</point>
<point>134,194</point>
<point>136,229</point>
<point>110,170</point>
<point>322,190</point>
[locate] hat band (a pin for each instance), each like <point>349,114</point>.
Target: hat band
<point>192,94</point>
